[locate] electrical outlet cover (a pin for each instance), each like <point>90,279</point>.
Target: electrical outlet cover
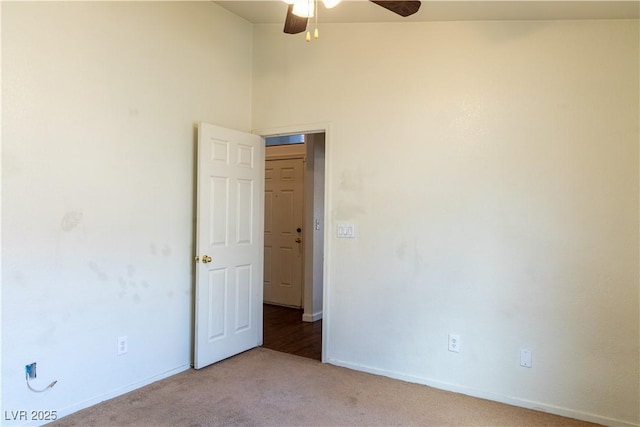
<point>123,346</point>
<point>454,343</point>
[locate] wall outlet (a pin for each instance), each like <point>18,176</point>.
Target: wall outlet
<point>30,370</point>
<point>123,346</point>
<point>525,358</point>
<point>454,343</point>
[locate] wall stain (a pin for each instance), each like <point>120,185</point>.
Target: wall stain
<point>20,279</point>
<point>131,270</point>
<point>408,252</point>
<point>101,274</point>
<point>346,210</point>
<point>153,248</point>
<point>401,251</point>
<point>351,181</point>
<point>71,220</point>
<point>47,337</point>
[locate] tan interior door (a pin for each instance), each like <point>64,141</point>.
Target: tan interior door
<point>283,234</point>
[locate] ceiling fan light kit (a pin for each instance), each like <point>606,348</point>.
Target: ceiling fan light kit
<point>305,8</point>
<point>300,11</point>
<point>330,3</point>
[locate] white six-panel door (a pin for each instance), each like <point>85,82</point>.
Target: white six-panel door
<point>230,242</point>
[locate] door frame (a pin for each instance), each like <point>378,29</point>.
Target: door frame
<point>328,225</point>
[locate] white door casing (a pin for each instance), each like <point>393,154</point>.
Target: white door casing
<point>229,230</point>
<point>327,230</point>
<point>284,216</point>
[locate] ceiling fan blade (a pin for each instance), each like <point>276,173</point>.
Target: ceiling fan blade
<point>294,24</point>
<point>402,8</point>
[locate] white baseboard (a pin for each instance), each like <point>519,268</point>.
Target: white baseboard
<point>514,401</point>
<point>120,391</point>
<point>312,317</point>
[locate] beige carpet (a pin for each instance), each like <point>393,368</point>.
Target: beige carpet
<point>266,388</point>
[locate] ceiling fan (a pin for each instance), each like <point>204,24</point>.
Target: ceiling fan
<point>296,19</point>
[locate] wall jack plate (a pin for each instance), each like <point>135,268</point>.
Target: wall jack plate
<point>525,358</point>
<point>30,370</point>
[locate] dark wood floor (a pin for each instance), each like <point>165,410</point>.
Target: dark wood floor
<point>285,331</point>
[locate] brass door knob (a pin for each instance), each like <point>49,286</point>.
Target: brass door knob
<point>206,259</point>
<point>298,240</point>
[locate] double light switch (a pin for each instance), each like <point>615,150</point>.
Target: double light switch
<point>346,231</point>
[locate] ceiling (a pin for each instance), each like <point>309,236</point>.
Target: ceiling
<point>273,12</point>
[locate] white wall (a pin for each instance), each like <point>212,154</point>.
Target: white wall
<point>491,169</point>
<point>99,106</point>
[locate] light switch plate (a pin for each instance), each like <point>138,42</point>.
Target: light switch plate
<point>346,231</point>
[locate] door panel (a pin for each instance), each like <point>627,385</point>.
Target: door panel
<point>243,297</point>
<point>283,252</point>
<point>244,211</point>
<point>217,300</point>
<point>286,267</point>
<point>228,314</point>
<point>219,188</point>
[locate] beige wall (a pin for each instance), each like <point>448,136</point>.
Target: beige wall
<point>491,170</point>
<point>99,106</point>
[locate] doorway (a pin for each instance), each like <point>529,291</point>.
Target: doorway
<point>221,151</point>
<point>295,328</point>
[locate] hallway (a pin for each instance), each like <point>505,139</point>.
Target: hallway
<point>285,331</point>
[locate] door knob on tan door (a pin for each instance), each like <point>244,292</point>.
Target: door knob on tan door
<point>206,259</point>
<point>298,240</point>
